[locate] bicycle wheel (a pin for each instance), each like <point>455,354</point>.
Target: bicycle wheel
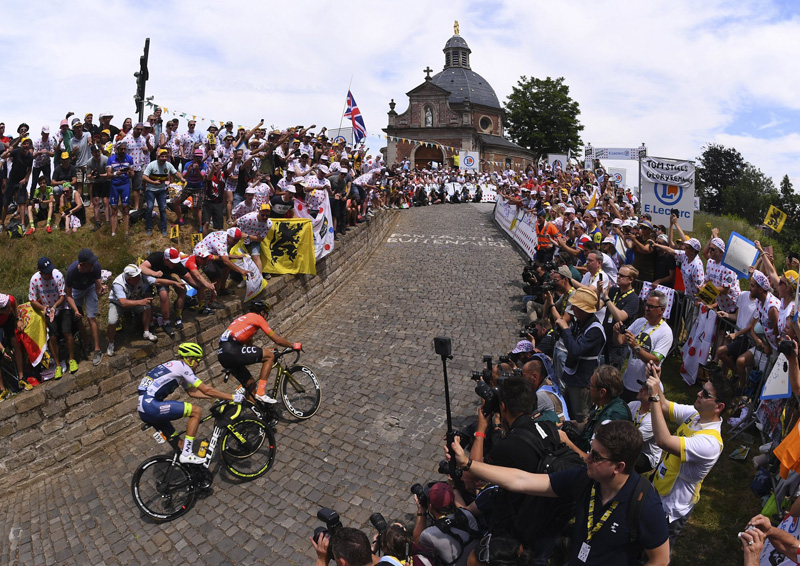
<point>163,489</point>
<point>301,392</point>
<point>249,449</point>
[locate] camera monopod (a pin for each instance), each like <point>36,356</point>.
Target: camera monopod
<point>443,347</point>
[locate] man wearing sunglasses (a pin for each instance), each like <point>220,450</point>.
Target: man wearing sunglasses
<point>602,492</point>
<point>690,453</point>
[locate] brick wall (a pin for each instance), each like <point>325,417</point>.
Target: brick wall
<point>59,422</point>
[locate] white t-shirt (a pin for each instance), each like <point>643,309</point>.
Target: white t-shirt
<point>699,453</point>
<point>644,423</point>
<point>746,307</point>
<point>653,340</point>
<point>591,281</point>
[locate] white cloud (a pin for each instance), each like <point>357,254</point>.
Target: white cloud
<point>674,74</point>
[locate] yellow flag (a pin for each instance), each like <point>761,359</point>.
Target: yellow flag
<point>775,219</point>
<point>196,238</point>
<point>289,247</point>
<point>593,200</point>
<point>174,231</point>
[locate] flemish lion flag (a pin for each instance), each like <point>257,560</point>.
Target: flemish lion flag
<point>289,247</point>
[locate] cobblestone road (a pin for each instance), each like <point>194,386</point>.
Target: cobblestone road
<point>443,270</point>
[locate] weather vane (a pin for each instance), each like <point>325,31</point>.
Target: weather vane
<point>455,27</point>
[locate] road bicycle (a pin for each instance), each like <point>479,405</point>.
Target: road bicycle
<point>297,386</point>
<point>164,488</point>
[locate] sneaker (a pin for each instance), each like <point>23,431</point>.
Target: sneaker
<point>48,229</point>
<point>33,381</point>
<point>168,330</point>
<point>191,459</point>
<point>216,305</point>
<point>59,373</point>
<point>25,385</point>
<point>163,232</point>
<point>119,325</point>
<point>73,366</point>
<point>3,394</point>
<point>96,226</point>
<point>110,349</point>
<point>179,323</point>
<point>241,284</point>
<point>205,311</point>
<point>150,336</point>
<point>266,399</point>
<point>148,232</point>
<point>30,231</point>
<point>180,222</point>
<point>98,356</point>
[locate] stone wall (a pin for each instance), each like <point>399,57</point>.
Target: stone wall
<point>59,422</point>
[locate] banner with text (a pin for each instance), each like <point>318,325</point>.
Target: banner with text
<point>667,185</point>
<point>518,224</point>
<point>468,160</point>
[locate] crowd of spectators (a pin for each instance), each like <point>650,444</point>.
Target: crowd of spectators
<point>587,382</point>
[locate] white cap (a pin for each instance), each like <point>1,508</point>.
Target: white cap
<point>131,270</point>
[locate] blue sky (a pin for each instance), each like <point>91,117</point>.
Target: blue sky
<point>675,74</point>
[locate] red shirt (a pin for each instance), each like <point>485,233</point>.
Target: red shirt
<point>243,328</point>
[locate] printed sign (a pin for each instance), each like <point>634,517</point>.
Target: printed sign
<point>618,152</point>
<point>517,224</point>
<point>174,231</point>
<point>775,219</point>
<point>708,293</point>
<point>196,238</point>
<point>667,185</point>
<point>557,161</point>
<point>740,255</point>
<point>777,385</point>
<point>618,175</point>
<point>468,160</point>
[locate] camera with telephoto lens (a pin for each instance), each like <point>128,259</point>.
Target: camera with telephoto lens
<point>529,329</point>
<point>786,347</point>
<point>529,273</point>
<point>421,493</point>
<point>332,524</point>
<point>444,466</point>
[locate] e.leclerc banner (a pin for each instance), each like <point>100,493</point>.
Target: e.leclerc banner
<point>668,184</point>
<point>518,224</point>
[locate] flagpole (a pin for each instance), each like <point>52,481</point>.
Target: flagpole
<point>341,116</point>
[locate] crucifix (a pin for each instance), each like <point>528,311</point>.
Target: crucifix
<point>427,70</point>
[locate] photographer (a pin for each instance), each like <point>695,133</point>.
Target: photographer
<point>453,533</point>
<point>398,548</point>
<point>583,339</point>
<point>622,305</point>
<point>346,547</point>
<point>538,372</point>
<point>530,434</point>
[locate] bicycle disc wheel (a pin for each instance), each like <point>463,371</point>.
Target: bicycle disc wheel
<point>301,392</point>
<point>163,489</point>
<point>249,450</point>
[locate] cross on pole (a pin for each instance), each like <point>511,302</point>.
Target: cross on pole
<point>427,70</point>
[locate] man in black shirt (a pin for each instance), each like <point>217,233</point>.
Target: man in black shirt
<point>167,265</point>
<point>17,183</point>
<point>622,305</point>
<point>83,288</point>
<point>281,205</point>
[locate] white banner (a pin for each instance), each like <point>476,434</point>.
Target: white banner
<point>322,224</point>
<point>255,281</point>
<point>468,160</point>
<point>659,170</point>
<point>340,135</point>
<point>557,161</point>
<point>668,184</point>
<point>617,152</point>
<point>619,175</point>
<point>520,225</point>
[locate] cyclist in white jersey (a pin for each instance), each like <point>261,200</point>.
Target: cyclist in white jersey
<point>162,380</point>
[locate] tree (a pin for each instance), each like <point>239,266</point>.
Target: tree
<point>542,117</point>
<point>750,196</point>
<point>719,170</point>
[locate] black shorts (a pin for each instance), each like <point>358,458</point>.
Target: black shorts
<point>15,193</point>
<point>739,346</point>
<point>214,212</point>
<point>235,357</point>
<point>214,270</point>
<point>62,323</point>
<point>101,190</point>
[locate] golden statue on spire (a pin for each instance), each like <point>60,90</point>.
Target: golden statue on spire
<point>455,27</point>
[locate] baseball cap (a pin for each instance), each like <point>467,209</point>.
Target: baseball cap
<point>609,240</point>
<point>324,169</point>
<point>198,152</point>
<point>45,265</point>
<point>290,189</point>
<point>229,123</point>
<point>234,233</point>
<point>106,115</point>
<point>250,191</point>
<point>107,132</point>
<point>172,255</point>
<point>45,129</point>
<point>3,300</point>
<point>522,346</point>
<point>64,122</point>
<point>162,151</point>
<point>86,256</point>
<point>265,206</point>
<point>76,122</point>
<point>139,125</point>
<point>440,496</point>
<point>694,243</point>
<point>132,270</point>
<point>718,243</point>
<point>761,280</point>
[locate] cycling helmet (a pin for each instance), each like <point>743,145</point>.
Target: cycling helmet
<point>190,350</point>
<point>259,306</point>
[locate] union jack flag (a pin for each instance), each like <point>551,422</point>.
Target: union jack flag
<point>359,129</point>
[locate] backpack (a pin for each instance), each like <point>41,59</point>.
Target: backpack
<point>541,517</point>
<point>14,229</point>
<point>460,521</point>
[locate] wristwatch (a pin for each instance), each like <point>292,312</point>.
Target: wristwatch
<point>636,350</point>
<point>654,398</point>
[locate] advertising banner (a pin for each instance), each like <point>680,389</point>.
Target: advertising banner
<point>468,160</point>
<point>667,185</point>
<point>520,225</point>
<point>557,161</point>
